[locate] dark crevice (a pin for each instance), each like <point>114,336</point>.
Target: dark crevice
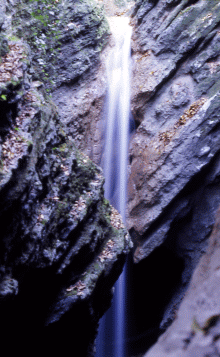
<point>85,255</point>
<point>173,3</point>
<point>8,114</point>
<point>10,187</point>
<point>215,128</point>
<point>74,81</point>
<point>206,41</point>
<point>103,292</point>
<point>189,3</point>
<point>166,301</point>
<point>72,326</point>
<point>152,283</point>
<point>177,224</point>
<point>212,58</point>
<point>8,230</point>
<point>23,317</point>
<point>40,164</point>
<point>151,5</point>
<point>132,126</point>
<point>45,189</point>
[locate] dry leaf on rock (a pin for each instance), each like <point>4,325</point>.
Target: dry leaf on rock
<point>79,286</point>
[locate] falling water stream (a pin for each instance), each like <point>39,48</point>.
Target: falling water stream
<point>111,338</point>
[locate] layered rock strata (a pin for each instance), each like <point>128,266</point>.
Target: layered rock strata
<point>62,245</point>
<point>174,155</point>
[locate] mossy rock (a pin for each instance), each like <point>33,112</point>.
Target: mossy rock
<point>65,38</point>
<point>3,45</point>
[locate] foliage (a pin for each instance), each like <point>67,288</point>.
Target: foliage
<point>55,32</point>
<point>3,97</point>
<point>38,23</point>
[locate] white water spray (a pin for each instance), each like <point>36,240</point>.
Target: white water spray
<point>115,167</point>
<point>118,107</point>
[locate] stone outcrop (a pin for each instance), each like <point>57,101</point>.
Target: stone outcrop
<point>174,154</point>
<point>196,329</point>
<point>62,245</point>
<point>82,104</point>
<point>66,39</point>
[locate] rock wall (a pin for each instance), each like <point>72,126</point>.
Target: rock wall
<point>81,103</point>
<point>174,155</point>
<point>66,39</point>
<point>62,245</point>
<point>195,331</point>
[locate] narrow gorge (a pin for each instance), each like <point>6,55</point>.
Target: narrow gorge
<point>71,230</point>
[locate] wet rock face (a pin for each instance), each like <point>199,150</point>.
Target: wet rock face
<point>66,40</point>
<point>174,168</point>
<point>195,331</point>
<point>81,103</point>
<point>81,109</point>
<point>62,245</point>
<point>174,155</point>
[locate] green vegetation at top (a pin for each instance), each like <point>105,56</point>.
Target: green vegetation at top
<point>55,32</point>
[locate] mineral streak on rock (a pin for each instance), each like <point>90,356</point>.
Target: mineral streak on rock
<point>174,166</point>
<point>174,102</point>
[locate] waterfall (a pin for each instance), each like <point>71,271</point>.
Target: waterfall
<point>115,171</point>
<point>118,106</point>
